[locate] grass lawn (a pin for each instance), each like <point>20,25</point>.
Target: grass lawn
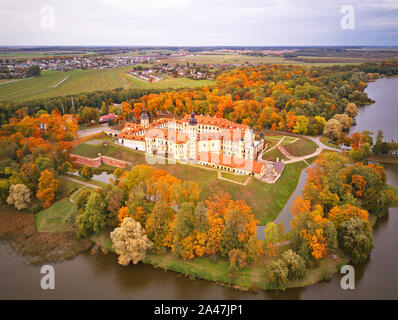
<point>91,181</point>
<point>270,142</point>
<point>265,199</point>
<point>49,83</point>
<point>327,141</point>
<point>300,147</point>
<point>66,186</point>
<point>234,177</point>
<point>273,155</point>
<point>53,219</point>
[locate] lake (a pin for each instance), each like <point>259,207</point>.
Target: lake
<point>100,277</point>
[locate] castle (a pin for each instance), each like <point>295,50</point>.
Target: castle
<point>210,141</point>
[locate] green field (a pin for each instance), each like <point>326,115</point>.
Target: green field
<point>49,83</point>
<point>234,177</point>
<point>273,155</point>
<point>53,219</point>
<point>300,147</point>
<point>265,199</point>
<point>228,58</point>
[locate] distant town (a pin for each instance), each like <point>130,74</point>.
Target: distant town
<point>16,69</point>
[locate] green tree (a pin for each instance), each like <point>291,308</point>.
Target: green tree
<point>356,239</point>
<point>94,216</point>
<point>33,71</point>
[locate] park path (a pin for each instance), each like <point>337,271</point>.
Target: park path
<point>73,194</point>
<point>260,156</point>
<point>219,176</point>
<point>60,82</point>
<point>321,147</point>
<point>90,131</point>
<point>82,182</point>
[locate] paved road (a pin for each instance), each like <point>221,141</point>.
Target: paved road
<point>90,131</point>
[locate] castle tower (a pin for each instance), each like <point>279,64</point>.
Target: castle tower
<point>144,119</point>
<point>193,137</point>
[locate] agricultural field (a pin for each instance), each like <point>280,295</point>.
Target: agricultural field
<point>232,58</point>
<point>59,83</point>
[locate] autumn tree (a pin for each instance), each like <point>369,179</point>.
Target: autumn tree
<point>356,239</point>
<point>157,224</point>
<point>302,125</point>
<point>278,272</point>
<point>47,187</point>
<point>130,242</point>
<point>332,128</point>
<point>295,264</point>
<point>237,260</point>
<point>351,109</point>
<point>271,237</point>
<point>19,196</point>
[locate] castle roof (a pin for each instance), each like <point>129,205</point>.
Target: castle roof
<point>219,122</point>
<point>144,115</point>
<point>192,120</point>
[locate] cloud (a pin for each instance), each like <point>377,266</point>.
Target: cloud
<point>197,22</point>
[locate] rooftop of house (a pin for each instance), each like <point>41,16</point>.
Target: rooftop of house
<point>279,166</point>
<point>108,116</point>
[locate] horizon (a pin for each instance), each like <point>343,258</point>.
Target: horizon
<point>187,23</point>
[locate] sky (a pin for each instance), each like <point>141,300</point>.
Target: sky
<point>198,22</point>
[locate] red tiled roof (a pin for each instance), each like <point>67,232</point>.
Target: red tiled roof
<point>232,162</point>
<point>219,122</point>
<point>109,116</point>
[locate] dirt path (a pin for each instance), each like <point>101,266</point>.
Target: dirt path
<point>260,156</point>
<point>73,194</point>
<point>81,182</point>
<point>60,82</point>
<point>219,176</point>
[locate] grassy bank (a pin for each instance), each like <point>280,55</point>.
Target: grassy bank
<point>251,278</point>
<point>384,159</point>
<point>18,228</point>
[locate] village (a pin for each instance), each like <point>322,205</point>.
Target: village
<point>16,69</point>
